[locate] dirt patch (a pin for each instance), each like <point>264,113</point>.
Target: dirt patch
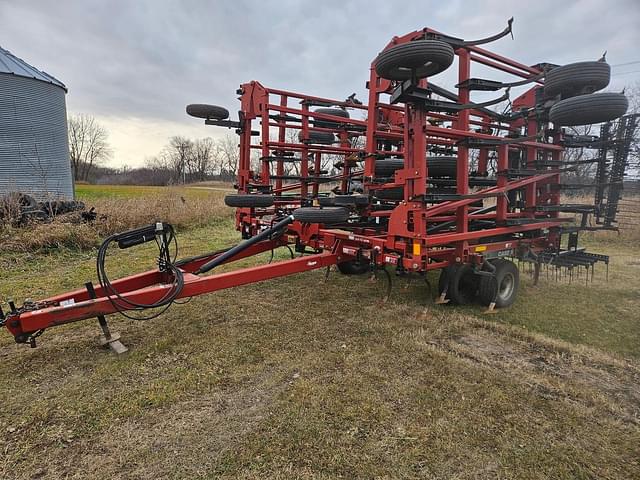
<point>557,372</point>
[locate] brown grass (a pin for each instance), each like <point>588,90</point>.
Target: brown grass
<point>300,377</point>
<point>182,208</point>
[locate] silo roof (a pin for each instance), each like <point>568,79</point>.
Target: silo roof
<point>13,65</point>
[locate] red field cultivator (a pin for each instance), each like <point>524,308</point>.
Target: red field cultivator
<point>417,179</point>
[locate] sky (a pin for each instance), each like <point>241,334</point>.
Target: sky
<point>135,65</point>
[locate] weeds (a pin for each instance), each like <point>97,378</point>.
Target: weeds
<point>180,207</point>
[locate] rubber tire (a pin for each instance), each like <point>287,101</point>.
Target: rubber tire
<point>353,267</point>
<point>463,284</point>
<point>321,215</point>
<point>396,193</point>
<point>577,79</point>
<point>248,200</point>
<point>426,57</point>
<point>386,167</point>
<point>203,110</point>
<point>18,199</point>
<point>588,109</point>
<point>351,200</point>
<point>327,201</point>
<point>322,138</point>
<point>439,167</point>
<point>337,112</point>
<point>488,289</point>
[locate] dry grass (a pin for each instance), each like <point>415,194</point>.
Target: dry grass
<point>302,378</point>
<point>297,378</point>
<point>184,208</point>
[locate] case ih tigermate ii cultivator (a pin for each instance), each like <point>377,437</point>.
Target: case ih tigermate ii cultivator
<point>406,198</point>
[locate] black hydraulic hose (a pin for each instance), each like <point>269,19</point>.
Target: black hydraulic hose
<point>232,252</point>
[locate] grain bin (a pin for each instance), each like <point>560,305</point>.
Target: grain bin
<point>34,147</point>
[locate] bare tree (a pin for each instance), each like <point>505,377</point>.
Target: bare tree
<point>204,159</point>
<point>178,155</point>
<point>88,145</point>
<point>229,156</point>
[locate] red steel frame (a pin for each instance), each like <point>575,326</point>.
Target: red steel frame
<point>403,240</point>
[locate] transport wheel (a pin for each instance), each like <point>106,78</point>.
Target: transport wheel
<point>463,283</point>
<point>322,138</point>
<point>501,288</point>
<point>589,109</point>
<point>424,57</point>
<point>577,79</point>
<point>321,215</point>
<point>244,200</point>
<point>202,110</point>
<point>337,112</point>
<point>353,267</point>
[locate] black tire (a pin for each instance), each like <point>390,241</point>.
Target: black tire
<point>386,167</point>
<point>353,267</point>
<point>502,287</point>
<point>351,200</point>
<point>577,79</point>
<point>396,193</point>
<point>463,284</point>
<point>424,57</point>
<point>327,201</point>
<point>336,112</point>
<point>588,109</point>
<point>22,200</point>
<point>322,138</point>
<point>321,215</point>
<point>440,167</point>
<point>245,200</point>
<point>212,112</point>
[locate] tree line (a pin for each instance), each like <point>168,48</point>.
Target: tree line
<point>182,160</point>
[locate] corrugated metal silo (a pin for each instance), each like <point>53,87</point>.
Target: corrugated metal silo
<point>34,147</point>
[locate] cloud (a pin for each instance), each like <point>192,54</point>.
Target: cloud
<point>139,63</point>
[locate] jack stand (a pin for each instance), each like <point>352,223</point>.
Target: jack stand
<point>327,272</point>
<point>491,308</point>
<point>107,339</point>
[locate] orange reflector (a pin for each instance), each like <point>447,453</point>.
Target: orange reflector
<point>416,248</point>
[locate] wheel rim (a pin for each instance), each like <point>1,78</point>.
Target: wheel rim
<point>507,284</point>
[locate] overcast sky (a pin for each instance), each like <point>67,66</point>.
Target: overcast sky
<point>135,64</point>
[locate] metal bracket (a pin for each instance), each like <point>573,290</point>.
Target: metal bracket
<point>409,92</point>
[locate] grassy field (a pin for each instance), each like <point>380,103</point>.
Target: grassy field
<point>305,378</point>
